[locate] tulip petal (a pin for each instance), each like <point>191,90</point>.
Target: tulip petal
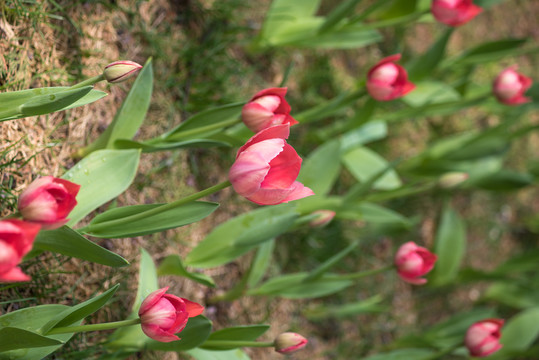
<point>151,300</point>
<point>273,132</point>
<point>14,275</point>
<point>193,308</point>
<point>156,333</point>
<point>284,169</point>
<point>300,191</point>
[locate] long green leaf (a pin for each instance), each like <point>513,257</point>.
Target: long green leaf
<point>70,243</point>
<point>364,163</point>
<point>339,13</point>
<point>237,333</point>
<point>423,66</point>
<point>169,219</point>
<point>46,104</point>
<point>320,170</point>
<point>201,354</point>
<point>198,329</point>
<point>102,175</point>
<point>172,265</point>
<point>261,262</point>
<point>12,338</point>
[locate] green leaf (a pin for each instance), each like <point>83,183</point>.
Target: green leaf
<point>240,234</point>
<point>383,219</point>
<point>206,122</point>
<point>45,104</point>
<point>172,265</point>
<point>367,306</point>
<point>485,4</point>
<point>399,9</point>
<point>201,354</point>
<point>80,311</point>
<point>131,114</point>
<point>403,354</point>
<point>512,294</point>
<point>147,281</point>
<point>103,224</point>
<point>198,329</point>
<point>237,333</point>
<point>339,13</point>
<point>282,12</point>
<point>295,286</point>
<point>366,133</point>
<point>450,246</point>
<point>503,180</point>
<point>68,242</point>
<point>329,263</point>
<point>103,175</point>
<point>486,52</point>
<point>260,263</point>
<point>31,319</point>
<point>320,170</point>
<point>165,145</point>
<point>431,92</point>
<point>424,65</point>
<point>329,107</point>
<point>12,338</point>
<point>363,163</point>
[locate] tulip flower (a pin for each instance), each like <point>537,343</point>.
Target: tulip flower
<point>509,87</point>
<point>16,240</point>
<point>119,71</point>
<point>413,261</point>
<point>266,169</point>
<point>454,12</point>
<point>163,315</point>
<point>483,337</point>
<point>388,80</point>
<point>48,201</point>
<point>289,342</point>
<point>267,108</point>
<point>323,217</point>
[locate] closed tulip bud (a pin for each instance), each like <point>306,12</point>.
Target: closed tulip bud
<point>483,337</point>
<point>323,217</point>
<point>267,108</point>
<point>289,342</point>
<point>266,169</point>
<point>162,315</point>
<point>119,71</point>
<point>48,201</point>
<point>509,87</point>
<point>16,240</point>
<point>388,80</point>
<point>454,12</point>
<point>413,261</point>
<point>452,179</point>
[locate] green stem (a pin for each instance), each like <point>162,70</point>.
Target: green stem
<point>202,129</point>
<point>227,343</point>
<point>90,81</point>
<point>362,274</point>
<point>441,353</point>
<point>93,327</point>
<point>159,209</point>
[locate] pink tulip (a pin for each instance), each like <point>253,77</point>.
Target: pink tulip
<point>16,240</point>
<point>414,261</point>
<point>289,342</point>
<point>483,337</point>
<point>48,201</point>
<point>509,87</point>
<point>323,217</point>
<point>266,169</point>
<point>454,12</point>
<point>164,315</point>
<point>267,108</point>
<point>387,80</point>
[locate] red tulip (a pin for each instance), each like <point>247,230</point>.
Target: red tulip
<point>48,201</point>
<point>509,87</point>
<point>483,337</point>
<point>454,12</point>
<point>266,169</point>
<point>414,261</point>
<point>267,108</point>
<point>164,315</point>
<point>16,240</point>
<point>289,342</point>
<point>387,80</point>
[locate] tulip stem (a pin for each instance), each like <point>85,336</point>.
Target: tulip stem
<point>90,81</point>
<point>228,344</point>
<point>93,327</point>
<point>157,210</point>
<point>202,129</point>
<point>362,274</point>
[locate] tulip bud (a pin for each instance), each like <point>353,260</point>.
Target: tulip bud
<point>483,337</point>
<point>267,108</point>
<point>388,80</point>
<point>452,179</point>
<point>289,342</point>
<point>266,169</point>
<point>163,315</point>
<point>414,261</point>
<point>119,71</point>
<point>16,240</point>
<point>48,201</point>
<point>323,217</point>
<point>509,87</point>
<point>454,12</point>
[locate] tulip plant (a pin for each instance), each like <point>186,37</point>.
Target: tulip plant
<point>341,181</point>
